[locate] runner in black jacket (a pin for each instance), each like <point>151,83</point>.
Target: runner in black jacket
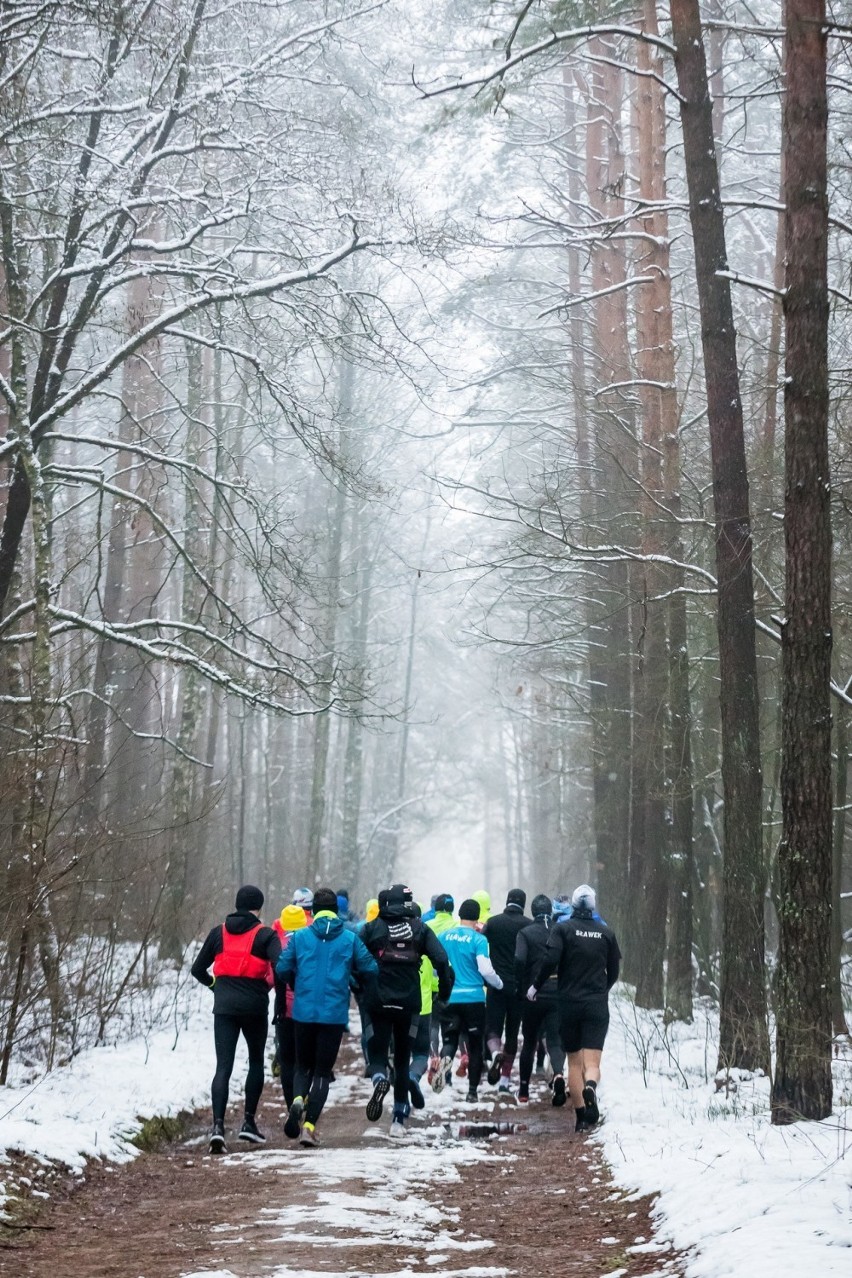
<point>503,1007</point>
<point>585,956</point>
<point>399,940</point>
<point>543,1014</point>
<point>240,1004</point>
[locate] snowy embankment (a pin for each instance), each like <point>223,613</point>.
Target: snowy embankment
<point>735,1194</point>
<point>738,1195</point>
<point>91,1107</point>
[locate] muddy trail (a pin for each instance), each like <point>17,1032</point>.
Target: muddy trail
<point>452,1199</point>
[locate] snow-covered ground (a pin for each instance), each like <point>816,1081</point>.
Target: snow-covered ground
<point>737,1195</point>
<point>740,1196</point>
<point>91,1107</point>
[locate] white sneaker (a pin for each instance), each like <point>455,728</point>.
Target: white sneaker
<point>505,1088</point>
<point>397,1129</point>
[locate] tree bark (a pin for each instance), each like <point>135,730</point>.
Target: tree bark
<point>743,1039</point>
<point>611,461</point>
<point>802,1084</point>
<point>841,788</point>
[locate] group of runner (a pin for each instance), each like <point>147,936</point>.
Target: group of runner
<point>428,986</point>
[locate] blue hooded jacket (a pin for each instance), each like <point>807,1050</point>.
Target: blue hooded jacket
<point>322,957</point>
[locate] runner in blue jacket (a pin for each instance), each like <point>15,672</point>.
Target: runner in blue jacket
<point>319,962</point>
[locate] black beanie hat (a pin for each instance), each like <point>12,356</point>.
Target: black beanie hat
<point>541,905</point>
<point>325,899</point>
<point>469,910</point>
<point>444,903</point>
<point>516,896</point>
<point>249,898</point>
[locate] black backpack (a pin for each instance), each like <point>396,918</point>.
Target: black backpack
<point>402,947</point>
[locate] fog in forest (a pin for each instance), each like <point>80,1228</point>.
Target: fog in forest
<point>367,446</point>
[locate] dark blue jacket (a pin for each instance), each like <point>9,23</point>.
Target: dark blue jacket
<point>319,961</point>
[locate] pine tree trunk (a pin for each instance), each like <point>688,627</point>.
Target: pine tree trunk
<point>841,786</point>
<point>649,861</point>
<point>743,1038</point>
<point>802,1084</point>
<point>660,402</point>
<point>611,461</point>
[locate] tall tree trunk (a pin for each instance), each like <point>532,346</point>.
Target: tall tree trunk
<point>648,854</point>
<point>182,841</point>
<point>353,767</point>
<point>802,1083</point>
<point>612,461</point>
<point>841,787</point>
<point>743,1036</point>
<point>660,401</point>
<point>329,634</point>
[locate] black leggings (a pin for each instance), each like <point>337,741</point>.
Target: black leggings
<point>317,1046</point>
<point>542,1016</point>
<point>420,1047</point>
<point>502,1009</point>
<point>285,1035</point>
<point>401,1026</point>
<point>226,1035</point>
<point>467,1019</point>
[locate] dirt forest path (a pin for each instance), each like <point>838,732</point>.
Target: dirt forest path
<point>442,1203</point>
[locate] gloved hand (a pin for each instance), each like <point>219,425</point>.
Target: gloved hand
<point>532,994</point>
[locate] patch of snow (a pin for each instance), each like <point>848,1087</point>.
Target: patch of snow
<point>737,1194</point>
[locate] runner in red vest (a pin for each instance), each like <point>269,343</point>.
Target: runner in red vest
<point>242,953</point>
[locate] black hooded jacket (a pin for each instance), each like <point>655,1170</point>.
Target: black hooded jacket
<point>530,954</point>
<point>398,940</point>
<point>237,995</point>
<point>585,956</point>
<point>501,932</point>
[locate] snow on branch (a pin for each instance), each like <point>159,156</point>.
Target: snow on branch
<point>576,34</point>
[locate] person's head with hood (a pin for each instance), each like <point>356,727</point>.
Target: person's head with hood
<point>395,901</point>
<point>342,895</point>
<point>325,904</point>
<point>542,908</point>
<point>516,900</point>
<point>583,902</point>
<point>372,909</point>
<point>484,901</point>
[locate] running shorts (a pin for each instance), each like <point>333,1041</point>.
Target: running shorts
<point>584,1025</point>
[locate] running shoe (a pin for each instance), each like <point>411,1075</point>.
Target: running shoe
<point>443,1070</point>
<point>308,1136</point>
<point>523,1093</point>
<point>494,1069</point>
<point>417,1098</point>
<point>558,1097</point>
<point>381,1087</point>
<point>249,1131</point>
<point>472,1096</point>
<point>590,1100</point>
<point>397,1129</point>
<point>434,1063</point>
<point>505,1088</point>
<point>217,1138</point>
<point>293,1124</point>
<point>461,1071</point>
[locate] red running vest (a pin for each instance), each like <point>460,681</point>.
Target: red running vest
<point>236,958</point>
